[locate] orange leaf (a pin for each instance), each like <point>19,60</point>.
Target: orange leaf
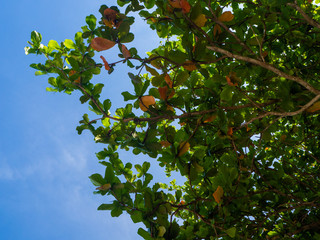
<point>126,53</point>
<point>216,29</point>
<point>189,65</point>
<point>226,17</point>
<point>218,194</point>
<point>185,6</point>
<point>232,79</point>
<point>183,148</point>
<point>168,80</point>
<point>309,1</point>
<point>145,102</point>
<point>230,83</point>
<point>78,80</point>
<point>210,119</point>
<point>100,44</point>
<point>106,65</point>
<point>315,107</point>
<point>230,131</point>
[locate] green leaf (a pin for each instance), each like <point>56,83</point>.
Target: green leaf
<point>227,93</point>
<point>157,80</point>
<point>181,78</point>
<point>106,206</point>
<point>136,216</point>
<point>109,174</point>
<point>127,38</point>
<point>116,212</point>
<point>178,56</point>
<point>97,179</point>
<point>143,233</point>
<point>97,89</point>
<point>91,21</point>
<point>106,105</point>
<point>128,96</point>
<point>36,37</point>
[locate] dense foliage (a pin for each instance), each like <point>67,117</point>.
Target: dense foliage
<point>230,99</point>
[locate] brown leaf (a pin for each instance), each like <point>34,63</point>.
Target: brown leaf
<point>126,53</point>
<point>100,44</point>
<point>106,65</point>
<point>111,18</point>
<point>175,3</point>
<point>189,65</point>
<point>216,29</point>
<point>218,194</point>
<point>165,144</point>
<point>168,80</point>
<point>170,108</point>
<point>110,14</point>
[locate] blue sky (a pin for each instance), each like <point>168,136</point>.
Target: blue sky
<point>44,163</point>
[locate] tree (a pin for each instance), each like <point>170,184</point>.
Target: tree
<point>230,100</point>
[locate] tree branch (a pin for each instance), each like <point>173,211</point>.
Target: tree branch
<point>266,66</point>
<point>304,15</point>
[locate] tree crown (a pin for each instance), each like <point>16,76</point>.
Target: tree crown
<point>229,100</point>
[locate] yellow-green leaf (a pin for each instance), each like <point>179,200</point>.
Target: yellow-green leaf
<point>104,187</point>
<point>231,232</point>
<point>201,20</point>
<point>183,148</point>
